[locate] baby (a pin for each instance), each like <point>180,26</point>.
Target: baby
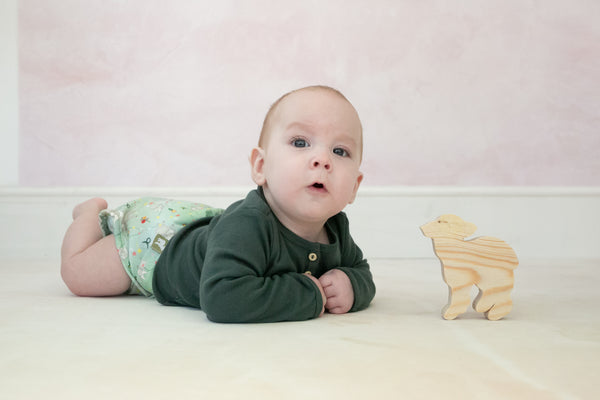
<point>283,253</point>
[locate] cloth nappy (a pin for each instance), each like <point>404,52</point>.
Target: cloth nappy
<point>143,227</point>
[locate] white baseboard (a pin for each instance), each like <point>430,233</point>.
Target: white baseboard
<point>539,223</point>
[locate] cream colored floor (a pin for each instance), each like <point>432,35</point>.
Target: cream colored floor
<point>53,344</point>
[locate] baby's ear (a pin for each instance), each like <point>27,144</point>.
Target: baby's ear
<point>257,162</point>
<point>356,186</point>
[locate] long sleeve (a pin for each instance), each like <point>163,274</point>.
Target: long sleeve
<point>245,266</point>
<point>246,278</point>
<point>356,267</point>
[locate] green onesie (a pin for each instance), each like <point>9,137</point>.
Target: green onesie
<point>245,266</point>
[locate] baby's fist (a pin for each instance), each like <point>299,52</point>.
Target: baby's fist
<point>338,290</point>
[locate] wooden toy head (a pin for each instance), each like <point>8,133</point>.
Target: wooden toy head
<point>448,225</point>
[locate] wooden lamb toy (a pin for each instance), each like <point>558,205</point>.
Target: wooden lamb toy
<point>486,262</point>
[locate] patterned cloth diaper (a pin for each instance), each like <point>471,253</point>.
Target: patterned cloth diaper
<point>143,227</point>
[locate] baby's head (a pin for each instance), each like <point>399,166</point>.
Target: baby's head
<point>271,114</point>
<point>309,155</point>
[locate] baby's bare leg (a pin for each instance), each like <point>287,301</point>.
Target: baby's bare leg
<point>90,264</point>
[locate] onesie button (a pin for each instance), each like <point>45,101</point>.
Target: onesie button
<point>312,257</point>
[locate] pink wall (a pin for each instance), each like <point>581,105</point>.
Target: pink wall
<point>145,93</point>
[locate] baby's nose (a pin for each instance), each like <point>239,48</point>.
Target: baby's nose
<point>321,163</point>
<point>321,158</point>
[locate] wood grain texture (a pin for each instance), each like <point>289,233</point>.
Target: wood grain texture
<point>485,262</point>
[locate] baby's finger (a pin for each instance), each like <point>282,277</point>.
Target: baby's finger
<point>325,280</point>
<point>332,302</point>
<point>330,291</point>
<point>335,306</point>
<point>336,310</point>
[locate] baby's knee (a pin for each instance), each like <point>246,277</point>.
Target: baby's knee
<point>67,273</point>
<point>71,276</point>
<point>93,205</point>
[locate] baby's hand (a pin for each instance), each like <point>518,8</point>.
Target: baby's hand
<point>338,290</point>
<point>316,281</point>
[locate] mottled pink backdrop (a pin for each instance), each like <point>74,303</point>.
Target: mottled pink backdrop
<point>173,93</point>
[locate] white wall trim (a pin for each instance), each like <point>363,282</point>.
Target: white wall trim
<point>539,222</point>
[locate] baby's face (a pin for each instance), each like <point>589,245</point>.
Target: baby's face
<point>312,157</point>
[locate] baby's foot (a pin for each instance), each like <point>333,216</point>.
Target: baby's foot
<point>94,205</point>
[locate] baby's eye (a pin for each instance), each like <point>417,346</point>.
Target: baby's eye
<point>340,152</point>
<point>299,143</point>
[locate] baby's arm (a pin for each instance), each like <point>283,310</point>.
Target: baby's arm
<point>236,284</point>
<point>338,290</point>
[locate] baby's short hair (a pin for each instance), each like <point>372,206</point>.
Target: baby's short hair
<point>268,118</point>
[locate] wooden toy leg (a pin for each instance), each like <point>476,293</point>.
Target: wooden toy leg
<point>458,301</point>
<point>483,302</point>
<point>495,304</point>
<point>499,310</point>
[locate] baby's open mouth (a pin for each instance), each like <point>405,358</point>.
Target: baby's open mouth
<point>318,185</point>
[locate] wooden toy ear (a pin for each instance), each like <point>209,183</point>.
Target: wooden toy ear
<point>469,228</point>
